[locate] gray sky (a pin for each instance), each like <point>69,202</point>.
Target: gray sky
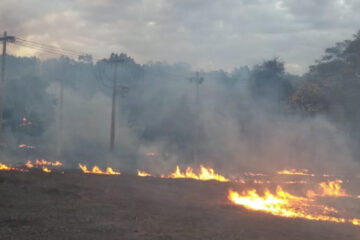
<point>208,34</point>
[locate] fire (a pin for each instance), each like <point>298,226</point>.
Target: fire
<point>45,169</point>
<point>329,189</point>
<point>261,182</point>
<point>302,172</point>
<point>97,170</point>
<point>25,146</point>
<point>28,164</point>
<point>285,204</point>
<point>43,163</point>
<point>205,174</point>
<point>295,182</point>
<point>333,188</point>
<point>46,163</point>
<point>4,167</point>
<point>143,174</point>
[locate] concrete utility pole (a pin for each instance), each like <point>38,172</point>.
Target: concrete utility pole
<point>4,40</point>
<point>198,80</point>
<point>115,60</point>
<point>113,105</point>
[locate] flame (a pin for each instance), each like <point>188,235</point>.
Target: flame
<point>46,163</point>
<point>261,182</point>
<point>28,164</point>
<point>97,170</point>
<point>285,204</point>
<point>205,174</point>
<point>45,169</point>
<point>295,182</point>
<point>333,188</point>
<point>4,167</point>
<point>302,172</point>
<point>329,189</point>
<point>143,174</point>
<point>355,221</point>
<point>25,146</point>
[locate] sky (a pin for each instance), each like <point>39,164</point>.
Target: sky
<point>207,34</point>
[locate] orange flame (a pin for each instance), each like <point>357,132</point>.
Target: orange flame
<point>329,189</point>
<point>45,169</point>
<point>205,174</point>
<point>46,163</point>
<point>4,167</point>
<point>333,188</point>
<point>28,164</point>
<point>302,172</point>
<point>97,170</point>
<point>143,174</point>
<point>285,204</point>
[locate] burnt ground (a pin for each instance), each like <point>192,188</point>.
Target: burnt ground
<point>37,206</point>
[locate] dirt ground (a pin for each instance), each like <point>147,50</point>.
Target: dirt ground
<point>38,206</point>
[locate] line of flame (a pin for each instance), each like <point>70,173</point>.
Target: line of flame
<point>97,170</point>
<point>205,174</point>
<point>285,204</point>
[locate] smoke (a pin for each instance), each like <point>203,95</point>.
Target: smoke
<point>240,133</point>
<point>158,119</point>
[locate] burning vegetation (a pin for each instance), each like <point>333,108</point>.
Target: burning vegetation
<point>280,203</point>
<point>284,204</point>
<point>205,174</point>
<point>97,170</point>
<point>301,172</point>
<point>143,174</point>
<point>4,167</point>
<point>329,189</point>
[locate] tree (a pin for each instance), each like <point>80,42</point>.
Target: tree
<point>332,86</point>
<point>268,80</point>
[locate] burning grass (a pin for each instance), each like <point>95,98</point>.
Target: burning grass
<point>301,172</point>
<point>205,174</point>
<point>280,203</point>
<point>143,174</point>
<point>284,204</point>
<point>97,170</point>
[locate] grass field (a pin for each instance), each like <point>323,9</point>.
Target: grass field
<point>36,205</point>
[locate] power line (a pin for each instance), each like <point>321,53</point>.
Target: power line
<point>39,47</point>
<point>50,46</point>
<point>51,49</point>
<point>45,50</point>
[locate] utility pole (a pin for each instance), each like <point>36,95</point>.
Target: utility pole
<point>115,60</point>
<point>113,106</point>
<point>4,40</point>
<point>197,80</point>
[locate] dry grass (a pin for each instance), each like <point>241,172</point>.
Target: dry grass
<point>75,206</point>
